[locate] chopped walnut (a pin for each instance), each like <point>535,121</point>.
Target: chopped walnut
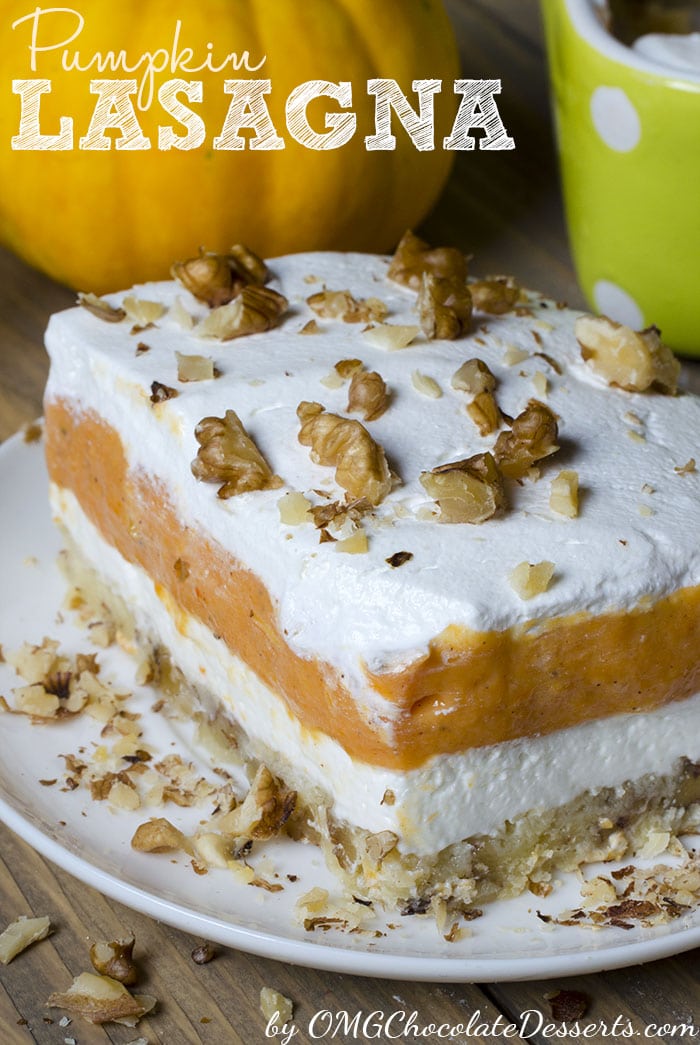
<point>309,328</point>
<point>414,258</point>
<point>598,890</point>
<point>568,1006</point>
<point>485,413</point>
<point>264,811</point>
<point>347,368</point>
<point>426,385</point>
<point>161,393</point>
<point>514,355</point>
<point>533,436</point>
<point>35,701</point>
<point>203,954</point>
<point>101,999</point>
<point>468,491</point>
<point>32,433</point>
<point>58,686</point>
<point>182,317</point>
<point>340,304</point>
<point>368,394</point>
<point>247,264</point>
<point>294,509</point>
<point>653,895</point>
<point>216,279</point>
<point>360,465</point>
<point>158,835</point>
<point>115,958</point>
<point>229,456</point>
<point>444,308</point>
<point>495,295</point>
<point>101,308</point>
<point>637,361</point>
<point>380,845</point>
<point>253,311</point>
<point>20,934</point>
<point>124,796</point>
<point>563,497</point>
<point>550,361</point>
<point>540,383</point>
<point>529,579</point>
<point>398,559</point>
<point>391,336</point>
<point>194,368</point>
<point>474,377</point>
<point>332,380</point>
<point>337,513</point>
<point>213,850</point>
<point>355,544</point>
<point>689,468</point>
<point>142,312</point>
<point>275,1007</point>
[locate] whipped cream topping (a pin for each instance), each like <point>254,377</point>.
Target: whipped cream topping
<point>451,797</point>
<point>627,544</point>
<point>680,52</point>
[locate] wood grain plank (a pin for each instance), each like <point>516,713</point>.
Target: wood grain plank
<point>28,887</point>
<point>315,992</point>
<point>27,299</point>
<point>658,994</point>
<point>15,1028</point>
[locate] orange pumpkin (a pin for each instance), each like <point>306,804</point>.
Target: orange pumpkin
<point>99,220</point>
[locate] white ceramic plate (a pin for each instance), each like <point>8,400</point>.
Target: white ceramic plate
<point>92,842</point>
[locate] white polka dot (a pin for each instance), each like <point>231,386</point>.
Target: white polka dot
<point>615,118</point>
<point>616,303</point>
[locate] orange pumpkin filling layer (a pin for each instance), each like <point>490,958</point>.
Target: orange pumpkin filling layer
<point>471,689</point>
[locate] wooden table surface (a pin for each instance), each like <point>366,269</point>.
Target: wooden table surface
<point>506,209</point>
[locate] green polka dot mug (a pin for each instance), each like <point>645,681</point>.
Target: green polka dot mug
<point>628,129</point>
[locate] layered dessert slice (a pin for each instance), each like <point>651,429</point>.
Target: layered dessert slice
<point>429,548</point>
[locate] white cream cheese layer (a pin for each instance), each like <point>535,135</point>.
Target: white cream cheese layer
<point>636,535</point>
<point>449,798</point>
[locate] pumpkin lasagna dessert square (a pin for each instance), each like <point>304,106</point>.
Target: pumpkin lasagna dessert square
<point>426,545</point>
